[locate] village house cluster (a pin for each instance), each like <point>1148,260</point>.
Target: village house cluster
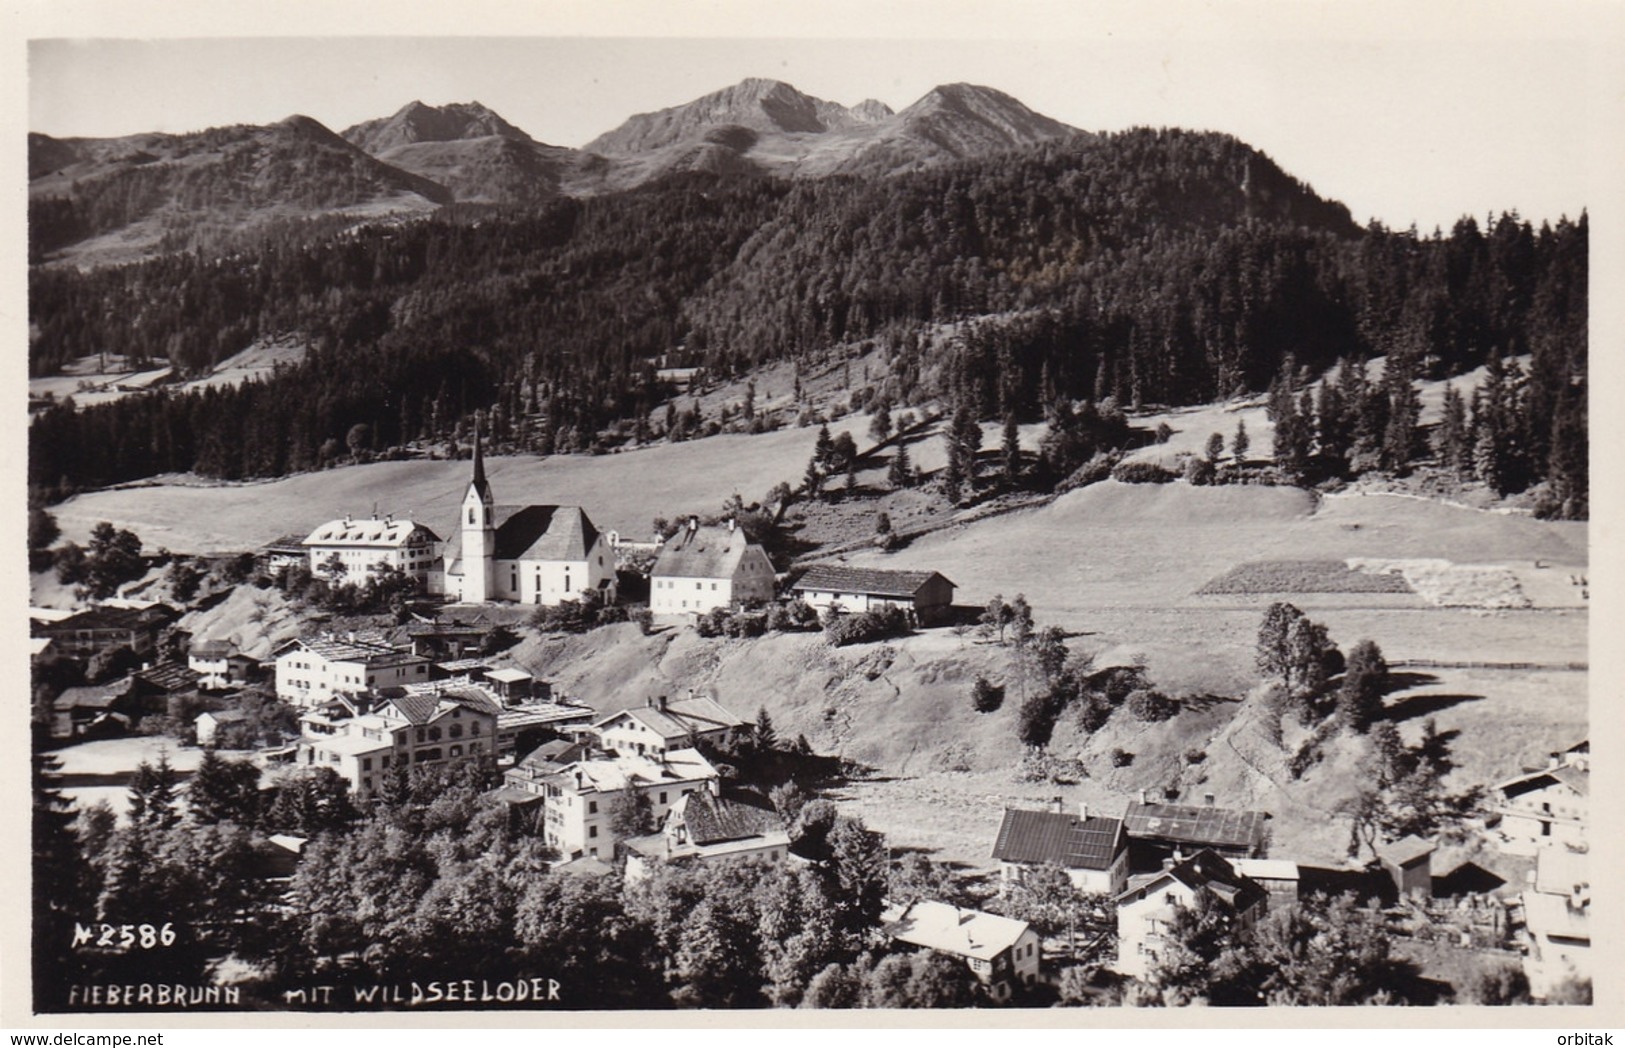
<point>637,784</point>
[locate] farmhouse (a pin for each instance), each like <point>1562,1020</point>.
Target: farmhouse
<point>311,672</point>
<point>1557,921</point>
<point>1159,831</point>
<point>93,710</point>
<point>218,664</point>
<point>1093,850</point>
<point>361,545</point>
<point>1001,952</point>
<point>410,731</point>
<point>704,828</point>
<point>664,725</point>
<point>703,568</point>
<point>1145,911</point>
<point>529,554</point>
<point>96,629</point>
<point>579,800</point>
<point>211,725</point>
<point>1542,808</point>
<point>836,587</point>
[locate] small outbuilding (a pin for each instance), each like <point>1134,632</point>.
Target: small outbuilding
<point>1409,862</point>
<point>927,594</point>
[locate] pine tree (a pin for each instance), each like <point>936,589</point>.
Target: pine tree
<point>152,794</point>
<point>899,475</point>
<point>1012,449</point>
<point>1215,447</point>
<point>1240,444</point>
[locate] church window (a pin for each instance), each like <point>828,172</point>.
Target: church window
<point>471,514</point>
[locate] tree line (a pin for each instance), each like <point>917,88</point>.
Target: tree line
<point>1143,267</point>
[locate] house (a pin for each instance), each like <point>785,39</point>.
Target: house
<point>1280,877</point>
<point>1539,809</point>
<point>407,731</point>
<point>219,664</point>
<point>1146,909</point>
<point>1159,831</point>
<point>537,720</point>
<point>702,827</point>
<point>579,800</point>
<point>97,629</point>
<point>665,724</point>
<point>1001,952</point>
<point>310,672</point>
<point>93,710</point>
<point>530,554</point>
<point>451,637</point>
<point>836,587</point>
<point>700,569</point>
<point>1092,849</point>
<point>210,722</point>
<point>362,545</point>
<point>155,686</point>
<point>1557,921</point>
<point>513,685</point>
<point>286,552</point>
<point>1408,862</point>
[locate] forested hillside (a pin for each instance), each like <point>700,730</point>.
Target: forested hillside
<point>1147,266</point>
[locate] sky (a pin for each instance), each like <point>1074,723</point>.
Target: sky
<point>1405,120</point>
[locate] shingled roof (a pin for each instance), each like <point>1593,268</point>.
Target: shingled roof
<point>711,820</point>
<point>875,582</point>
<point>1186,824</point>
<point>698,714</point>
<point>1062,838</point>
<point>703,553</point>
<point>533,533</point>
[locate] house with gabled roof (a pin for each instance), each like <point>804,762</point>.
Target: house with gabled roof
<point>1546,807</point>
<point>700,569</point>
<point>668,724</point>
<point>93,709</point>
<point>536,554</point>
<point>702,827</point>
<point>404,732</point>
<point>1158,831</point>
<point>579,798</point>
<point>1146,910</point>
<point>1092,849</point>
<point>1003,953</point>
<point>841,588</point>
<point>310,672</point>
<point>361,544</point>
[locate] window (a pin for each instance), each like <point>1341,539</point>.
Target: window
<point>699,585</point>
<point>592,807</point>
<point>456,751</point>
<point>456,731</point>
<point>592,831</point>
<point>713,587</point>
<point>384,763</point>
<point>366,764</point>
<point>434,734</point>
<point>662,796</point>
<point>470,514</point>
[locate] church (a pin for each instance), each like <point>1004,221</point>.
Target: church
<point>525,554</point>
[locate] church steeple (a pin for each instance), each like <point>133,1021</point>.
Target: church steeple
<point>479,532</point>
<point>479,483</point>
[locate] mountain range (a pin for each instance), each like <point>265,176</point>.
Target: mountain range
<point>112,199</point>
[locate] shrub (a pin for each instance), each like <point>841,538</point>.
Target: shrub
<point>1035,722</point>
<point>1094,471</point>
<point>1199,472</point>
<point>1148,705</point>
<point>1142,473</point>
<point>1195,756</point>
<point>986,697</point>
<point>1121,758</point>
<point>865,626</point>
<point>1094,713</point>
<point>578,616</point>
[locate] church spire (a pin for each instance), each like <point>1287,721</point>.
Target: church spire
<point>479,459</point>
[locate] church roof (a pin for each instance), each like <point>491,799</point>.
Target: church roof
<point>533,533</point>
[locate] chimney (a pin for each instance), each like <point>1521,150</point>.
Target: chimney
<point>1168,864</point>
<point>660,703</point>
<point>1207,799</point>
<point>1553,760</point>
<point>1056,805</point>
<point>1142,796</point>
<point>730,525</point>
<point>1083,809</point>
<point>693,525</point>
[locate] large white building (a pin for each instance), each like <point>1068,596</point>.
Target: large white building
<point>1003,953</point>
<point>1146,912</point>
<point>667,724</point>
<point>312,672</point>
<point>411,731</point>
<point>361,545</point>
<point>527,554</point>
<point>703,568</point>
<point>579,800</point>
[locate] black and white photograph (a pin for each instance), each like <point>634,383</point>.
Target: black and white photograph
<point>1065,510</point>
